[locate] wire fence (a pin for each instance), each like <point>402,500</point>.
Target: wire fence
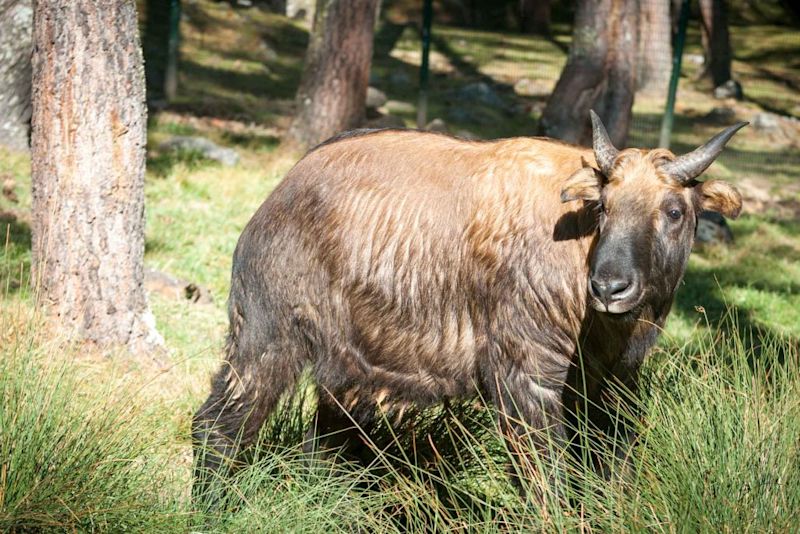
<point>499,82</point>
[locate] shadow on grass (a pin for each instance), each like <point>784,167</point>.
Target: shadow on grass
<point>701,296</point>
<point>164,164</point>
<point>251,141</point>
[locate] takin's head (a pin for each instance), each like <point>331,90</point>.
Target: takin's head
<point>648,203</point>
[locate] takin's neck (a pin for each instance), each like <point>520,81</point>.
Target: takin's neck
<point>620,345</point>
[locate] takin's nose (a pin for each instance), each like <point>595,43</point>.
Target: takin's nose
<point>612,289</point>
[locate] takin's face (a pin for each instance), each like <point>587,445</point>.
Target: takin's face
<point>647,206</point>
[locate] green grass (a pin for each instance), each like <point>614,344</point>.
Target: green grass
<point>74,457</point>
<point>717,451</point>
<point>94,440</point>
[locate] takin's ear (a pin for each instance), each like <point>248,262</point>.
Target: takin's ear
<point>584,184</point>
<point>722,197</point>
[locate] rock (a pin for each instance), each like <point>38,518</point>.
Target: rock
<point>268,53</point>
<point>8,190</point>
<point>712,229</point>
<point>399,78</point>
<point>206,148</point>
<point>767,122</point>
<point>372,113</point>
<point>459,114</point>
<point>398,106</point>
<point>481,93</point>
<point>386,121</point>
<point>697,59</point>
<point>175,288</point>
<point>721,115</point>
<point>521,109</point>
<point>472,114</point>
<point>466,134</point>
<point>436,125</point>
<point>729,89</point>
<point>537,108</point>
<point>298,9</point>
<point>375,98</point>
<point>528,87</point>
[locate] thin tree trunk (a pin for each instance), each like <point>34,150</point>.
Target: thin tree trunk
<point>535,16</point>
<point>655,46</point>
<point>716,41</point>
<point>600,73</point>
<point>675,14</point>
<point>88,156</point>
<point>161,49</point>
<point>333,90</point>
<point>16,21</point>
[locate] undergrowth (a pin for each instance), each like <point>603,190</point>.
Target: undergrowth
<point>717,450</point>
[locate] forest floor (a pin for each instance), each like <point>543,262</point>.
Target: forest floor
<point>92,439</point>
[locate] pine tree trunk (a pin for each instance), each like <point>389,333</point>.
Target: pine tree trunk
<point>600,73</point>
<point>655,46</point>
<point>716,41</point>
<point>88,157</point>
<point>16,21</point>
<point>535,16</point>
<point>333,90</point>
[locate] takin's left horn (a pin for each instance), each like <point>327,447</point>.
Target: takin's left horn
<point>689,166</point>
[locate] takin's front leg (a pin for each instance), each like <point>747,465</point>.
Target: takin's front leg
<point>530,415</point>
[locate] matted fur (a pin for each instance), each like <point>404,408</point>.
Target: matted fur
<point>411,267</point>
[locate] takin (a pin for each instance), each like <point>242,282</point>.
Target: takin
<point>407,267</point>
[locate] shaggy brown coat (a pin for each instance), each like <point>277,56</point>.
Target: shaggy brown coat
<point>411,267</point>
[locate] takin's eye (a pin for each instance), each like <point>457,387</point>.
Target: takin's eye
<point>674,214</point>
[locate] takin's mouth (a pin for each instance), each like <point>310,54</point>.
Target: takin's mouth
<point>616,307</point>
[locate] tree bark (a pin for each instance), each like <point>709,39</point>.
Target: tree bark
<point>600,74</point>
<point>16,21</point>
<point>88,157</point>
<point>535,16</point>
<point>655,46</point>
<point>716,41</point>
<point>333,89</point>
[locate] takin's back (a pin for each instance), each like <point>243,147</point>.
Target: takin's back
<point>418,249</point>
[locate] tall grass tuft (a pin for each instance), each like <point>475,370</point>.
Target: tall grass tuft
<point>73,456</point>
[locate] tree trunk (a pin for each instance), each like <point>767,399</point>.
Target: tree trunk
<point>161,49</point>
<point>16,20</point>
<point>716,41</point>
<point>333,89</point>
<point>600,74</point>
<point>88,157</point>
<point>655,46</point>
<point>535,16</point>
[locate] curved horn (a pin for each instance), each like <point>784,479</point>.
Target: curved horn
<point>604,150</point>
<point>689,166</point>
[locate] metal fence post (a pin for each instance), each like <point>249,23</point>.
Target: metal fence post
<point>669,113</point>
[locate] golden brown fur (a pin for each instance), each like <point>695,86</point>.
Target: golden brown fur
<point>411,267</point>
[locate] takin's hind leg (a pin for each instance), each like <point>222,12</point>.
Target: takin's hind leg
<point>244,393</point>
<point>340,426</point>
